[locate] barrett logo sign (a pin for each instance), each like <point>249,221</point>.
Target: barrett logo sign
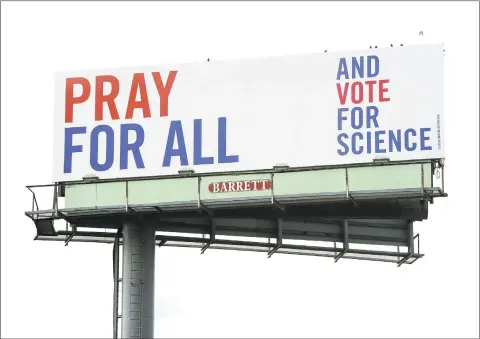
<point>240,186</point>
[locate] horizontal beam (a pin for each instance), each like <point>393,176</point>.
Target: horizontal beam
<point>370,232</point>
<point>224,244</point>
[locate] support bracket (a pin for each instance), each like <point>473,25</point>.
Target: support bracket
<point>279,238</point>
<point>212,236</point>
<point>206,210</point>
<point>340,255</point>
<point>64,217</point>
<point>428,197</point>
<point>349,196</point>
<point>352,199</point>
<point>401,262</point>
<point>278,205</point>
<point>411,244</point>
<point>70,237</point>
<point>345,241</point>
<point>274,202</point>
<point>424,192</point>
<point>273,251</point>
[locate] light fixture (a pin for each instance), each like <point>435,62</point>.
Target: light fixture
<point>90,177</point>
<point>381,159</point>
<point>280,167</point>
<point>186,172</point>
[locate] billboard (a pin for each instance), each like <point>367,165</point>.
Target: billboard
<point>252,114</point>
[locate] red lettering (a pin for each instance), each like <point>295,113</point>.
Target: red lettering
<point>164,91</point>
<point>357,88</point>
<point>101,98</point>
<point>342,96</point>
<point>70,100</point>
<point>383,90</point>
<point>138,84</point>
<point>370,84</point>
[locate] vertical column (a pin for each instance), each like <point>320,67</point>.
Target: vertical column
<point>116,285</point>
<point>411,243</point>
<point>138,281</point>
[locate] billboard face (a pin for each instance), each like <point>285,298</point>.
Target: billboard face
<point>302,110</point>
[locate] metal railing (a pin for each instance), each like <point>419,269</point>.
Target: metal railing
<point>436,165</point>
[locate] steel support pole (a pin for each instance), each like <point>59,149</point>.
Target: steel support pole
<point>138,281</point>
<point>116,284</point>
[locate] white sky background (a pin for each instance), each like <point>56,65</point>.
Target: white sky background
<point>49,290</point>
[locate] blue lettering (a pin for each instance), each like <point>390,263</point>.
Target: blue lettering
<point>372,115</point>
<point>134,147</point>
<point>410,147</point>
<point>223,158</point>
<point>355,150</point>
<point>395,140</point>
<point>343,144</point>
<point>423,139</point>
<point>379,141</point>
<point>376,141</point>
<point>369,142</point>
<point>70,148</point>
<point>373,69</point>
<point>197,145</point>
<point>357,67</point>
<point>341,117</point>
<point>360,117</point>
<point>175,131</point>
<point>342,69</point>
<point>94,148</point>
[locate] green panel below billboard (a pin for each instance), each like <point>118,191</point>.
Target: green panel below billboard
<point>79,196</point>
<point>309,182</point>
<point>163,191</point>
<point>111,194</point>
<point>263,186</point>
<point>383,178</point>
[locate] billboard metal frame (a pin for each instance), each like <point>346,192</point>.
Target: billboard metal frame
<point>76,219</point>
<point>368,217</point>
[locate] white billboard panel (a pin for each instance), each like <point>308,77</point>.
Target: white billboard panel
<point>302,110</point>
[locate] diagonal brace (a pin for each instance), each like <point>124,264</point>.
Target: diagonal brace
<point>340,255</point>
<point>70,237</point>
<point>279,238</point>
<point>212,236</point>
<point>345,241</point>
